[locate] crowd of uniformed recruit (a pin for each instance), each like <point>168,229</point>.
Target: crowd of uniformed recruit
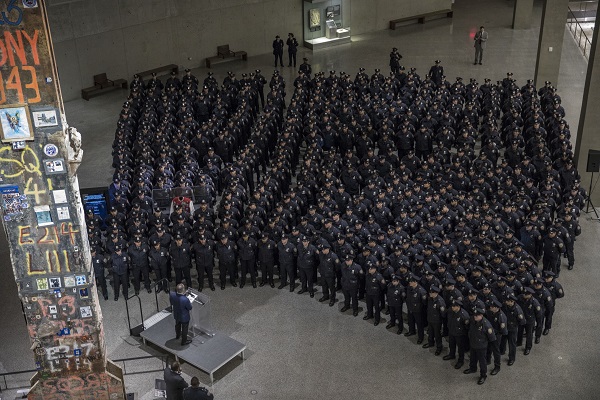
<point>454,201</point>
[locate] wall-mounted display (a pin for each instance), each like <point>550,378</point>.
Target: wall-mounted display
<point>326,23</point>
<point>314,19</point>
<point>16,123</point>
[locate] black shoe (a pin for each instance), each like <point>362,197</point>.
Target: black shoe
<point>537,340</point>
<point>469,371</point>
<point>292,287</point>
<point>390,325</point>
<point>355,313</point>
<point>233,284</point>
<point>366,317</point>
<point>473,63</point>
<point>427,345</point>
<point>105,297</point>
<point>482,379</point>
<point>511,362</point>
<point>241,285</point>
<point>438,352</point>
<point>222,287</point>
<point>322,299</point>
<point>408,334</point>
<point>526,352</point>
<point>137,292</point>
<point>448,357</point>
<point>272,284</point>
<point>495,370</point>
<point>212,287</point>
<point>177,337</point>
<point>116,299</point>
<point>200,288</point>
<point>459,365</point>
<point>376,323</point>
<point>387,312</point>
<point>345,308</point>
<point>519,344</point>
<point>570,267</point>
<point>419,341</point>
<point>301,291</point>
<point>262,284</point>
<point>479,63</point>
<point>399,331</point>
<point>281,286</point>
<point>331,303</point>
<point>312,294</point>
<point>546,331</point>
<point>254,285</point>
<point>166,290</point>
<point>186,342</point>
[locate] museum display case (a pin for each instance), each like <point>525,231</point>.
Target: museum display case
<point>325,23</point>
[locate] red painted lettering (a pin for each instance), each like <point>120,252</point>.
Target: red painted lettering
<point>15,47</point>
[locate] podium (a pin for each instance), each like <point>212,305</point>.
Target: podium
<point>201,314</point>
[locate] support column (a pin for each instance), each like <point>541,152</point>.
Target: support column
<point>552,31</point>
<point>522,14</point>
<point>43,217</point>
<point>589,119</point>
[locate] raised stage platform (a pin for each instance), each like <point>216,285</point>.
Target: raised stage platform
<point>207,353</point>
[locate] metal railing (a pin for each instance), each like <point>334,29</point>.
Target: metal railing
<point>164,361</point>
<point>4,386</point>
<point>583,41</point>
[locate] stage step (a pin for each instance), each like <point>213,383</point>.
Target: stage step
<point>156,318</point>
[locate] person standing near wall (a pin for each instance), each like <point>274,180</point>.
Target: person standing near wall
<point>480,38</point>
<point>292,44</point>
<point>278,50</point>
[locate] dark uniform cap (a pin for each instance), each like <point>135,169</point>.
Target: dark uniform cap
<point>474,292</point>
<point>450,281</point>
<point>118,248</point>
<point>495,303</point>
<point>479,311</point>
<point>529,290</point>
<point>511,297</point>
<point>434,289</point>
<point>457,303</point>
<point>412,278</point>
<point>395,278</point>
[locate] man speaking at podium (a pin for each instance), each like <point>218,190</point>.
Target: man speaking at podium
<point>181,312</point>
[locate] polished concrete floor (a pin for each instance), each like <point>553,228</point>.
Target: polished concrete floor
<point>299,348</point>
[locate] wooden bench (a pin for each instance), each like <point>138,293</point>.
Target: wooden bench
<point>165,68</point>
<point>224,54</point>
<point>421,18</point>
<point>102,85</point>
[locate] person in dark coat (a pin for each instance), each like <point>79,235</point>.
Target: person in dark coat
<point>458,327</point>
<point>481,333</point>
<point>278,50</point>
<point>395,295</point>
<point>292,44</point>
<point>195,392</point>
<point>181,312</point>
<point>350,273</point>
<point>175,382</point>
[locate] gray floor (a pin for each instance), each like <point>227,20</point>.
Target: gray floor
<point>298,348</point>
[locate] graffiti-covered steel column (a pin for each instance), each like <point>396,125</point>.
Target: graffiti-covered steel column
<point>43,216</point>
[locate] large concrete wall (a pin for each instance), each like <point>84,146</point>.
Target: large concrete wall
<point>121,37</point>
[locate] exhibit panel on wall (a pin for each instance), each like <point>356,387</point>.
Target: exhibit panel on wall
<point>326,23</point>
